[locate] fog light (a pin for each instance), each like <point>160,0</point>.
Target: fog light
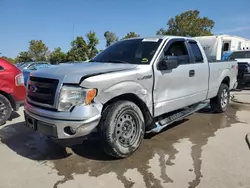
<point>69,130</point>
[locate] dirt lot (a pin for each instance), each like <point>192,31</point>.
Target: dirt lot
<point>205,150</point>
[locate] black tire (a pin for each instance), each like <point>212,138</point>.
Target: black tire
<point>122,129</point>
<point>220,103</point>
<point>5,109</point>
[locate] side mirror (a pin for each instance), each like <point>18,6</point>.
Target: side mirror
<point>168,63</point>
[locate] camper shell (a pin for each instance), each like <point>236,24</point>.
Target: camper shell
<point>216,46</point>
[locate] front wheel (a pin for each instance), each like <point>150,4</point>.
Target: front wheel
<point>122,129</point>
<point>221,101</point>
<point>5,109</point>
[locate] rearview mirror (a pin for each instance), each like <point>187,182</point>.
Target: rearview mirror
<point>168,63</point>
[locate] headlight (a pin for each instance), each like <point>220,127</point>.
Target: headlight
<point>74,96</point>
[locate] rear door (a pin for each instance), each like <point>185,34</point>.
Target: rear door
<point>180,87</point>
<point>6,78</point>
<point>200,67</point>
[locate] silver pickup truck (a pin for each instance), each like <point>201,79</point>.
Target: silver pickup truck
<point>133,87</point>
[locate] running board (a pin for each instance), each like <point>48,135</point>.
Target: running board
<point>177,116</point>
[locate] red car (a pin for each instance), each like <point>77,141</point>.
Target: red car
<point>12,89</point>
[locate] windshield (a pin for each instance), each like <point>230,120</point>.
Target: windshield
<point>135,51</point>
<point>19,64</point>
<point>24,65</point>
<point>240,55</point>
<point>38,66</point>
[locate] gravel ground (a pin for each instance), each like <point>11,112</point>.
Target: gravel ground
<point>205,150</point>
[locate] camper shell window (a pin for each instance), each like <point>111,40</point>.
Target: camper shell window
<point>225,47</point>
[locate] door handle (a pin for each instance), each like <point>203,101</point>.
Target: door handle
<point>191,73</point>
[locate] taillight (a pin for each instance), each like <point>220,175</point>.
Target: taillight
<point>19,79</point>
<point>235,67</point>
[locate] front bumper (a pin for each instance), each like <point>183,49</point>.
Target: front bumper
<point>63,125</point>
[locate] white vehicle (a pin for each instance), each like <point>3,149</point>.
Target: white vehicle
<point>133,87</point>
<point>215,46</point>
<point>245,46</point>
<point>243,59</point>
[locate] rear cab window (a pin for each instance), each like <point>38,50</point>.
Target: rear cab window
<point>198,58</point>
<point>1,68</point>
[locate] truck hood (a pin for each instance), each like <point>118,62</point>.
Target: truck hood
<point>73,73</point>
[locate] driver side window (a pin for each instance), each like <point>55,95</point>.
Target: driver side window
<point>179,50</point>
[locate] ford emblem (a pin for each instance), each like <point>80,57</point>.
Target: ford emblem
<point>33,89</point>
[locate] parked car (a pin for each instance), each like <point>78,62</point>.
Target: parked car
<point>34,67</point>
<point>29,65</point>
<point>19,64</point>
<point>12,89</point>
<point>133,87</point>
<point>243,59</point>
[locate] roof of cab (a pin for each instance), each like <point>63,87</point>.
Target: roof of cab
<point>160,37</point>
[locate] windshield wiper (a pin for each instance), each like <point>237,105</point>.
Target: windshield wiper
<point>111,61</point>
<point>117,61</point>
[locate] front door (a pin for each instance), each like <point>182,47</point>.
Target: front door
<point>174,89</point>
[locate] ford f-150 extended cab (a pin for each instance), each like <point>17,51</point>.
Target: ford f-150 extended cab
<point>133,87</point>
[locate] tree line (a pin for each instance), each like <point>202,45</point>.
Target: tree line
<point>188,23</point>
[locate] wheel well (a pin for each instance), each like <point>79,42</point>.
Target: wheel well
<point>226,81</point>
<point>149,120</point>
<point>8,97</point>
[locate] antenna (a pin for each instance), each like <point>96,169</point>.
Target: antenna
<point>73,31</point>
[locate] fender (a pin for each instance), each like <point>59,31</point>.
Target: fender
<point>224,74</point>
<point>125,87</point>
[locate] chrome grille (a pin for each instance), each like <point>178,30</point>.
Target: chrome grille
<point>42,90</point>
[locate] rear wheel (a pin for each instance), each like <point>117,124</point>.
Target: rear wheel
<point>5,109</point>
<point>221,101</point>
<point>122,129</point>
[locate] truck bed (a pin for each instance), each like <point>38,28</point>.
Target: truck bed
<point>218,70</point>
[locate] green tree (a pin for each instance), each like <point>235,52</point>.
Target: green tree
<point>131,35</point>
<point>8,59</point>
<point>188,23</point>
<point>57,56</point>
<point>79,50</point>
<point>110,38</point>
<point>23,57</point>
<point>92,41</point>
<point>38,50</point>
